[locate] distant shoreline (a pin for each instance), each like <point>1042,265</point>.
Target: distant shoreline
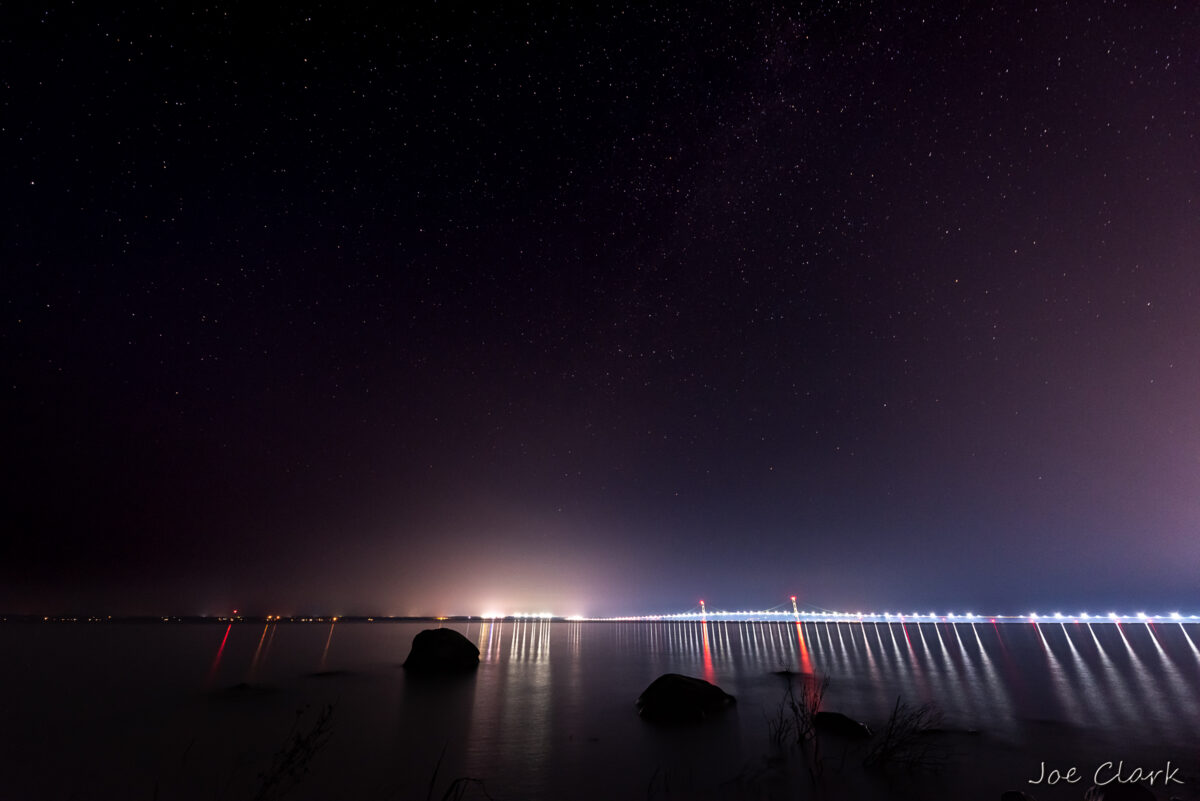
<point>714,618</point>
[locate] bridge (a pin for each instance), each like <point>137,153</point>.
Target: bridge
<point>792,612</point>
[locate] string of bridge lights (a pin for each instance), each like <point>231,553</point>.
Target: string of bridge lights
<point>777,614</point>
<point>876,617</point>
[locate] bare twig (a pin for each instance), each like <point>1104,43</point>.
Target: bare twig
<point>902,741</point>
<point>293,761</point>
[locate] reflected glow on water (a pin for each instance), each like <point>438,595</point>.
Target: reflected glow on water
<point>325,650</point>
<point>216,663</point>
<point>994,688</point>
<point>1051,671</point>
<point>1186,636</point>
<point>1114,689</point>
<point>709,674</point>
<point>262,638</point>
<point>802,648</point>
<point>552,703</point>
<point>1181,696</point>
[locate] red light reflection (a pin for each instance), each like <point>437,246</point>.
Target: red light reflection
<point>710,675</point>
<point>805,662</point>
<point>212,671</point>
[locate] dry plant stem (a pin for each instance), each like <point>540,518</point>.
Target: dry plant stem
<point>293,761</point>
<point>902,742</point>
<point>793,721</point>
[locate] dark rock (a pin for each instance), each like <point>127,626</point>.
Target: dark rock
<point>841,725</point>
<point>1119,792</point>
<point>442,651</point>
<point>672,698</point>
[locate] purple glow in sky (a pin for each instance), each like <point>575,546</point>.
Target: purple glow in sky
<point>437,311</point>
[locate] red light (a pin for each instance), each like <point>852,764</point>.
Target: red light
<point>212,672</point>
<point>235,611</point>
<point>793,597</point>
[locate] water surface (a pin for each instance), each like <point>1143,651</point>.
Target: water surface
<point>199,711</point>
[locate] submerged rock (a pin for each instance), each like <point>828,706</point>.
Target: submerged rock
<point>1016,795</point>
<point>442,651</point>
<point>672,698</point>
<point>841,725</point>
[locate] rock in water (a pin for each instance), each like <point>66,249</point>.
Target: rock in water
<point>672,698</point>
<point>841,725</point>
<point>1016,795</point>
<point>442,651</point>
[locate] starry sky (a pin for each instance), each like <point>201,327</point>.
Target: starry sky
<point>438,309</point>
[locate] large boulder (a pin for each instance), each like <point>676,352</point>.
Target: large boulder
<point>841,725</point>
<point>672,698</point>
<point>441,651</point>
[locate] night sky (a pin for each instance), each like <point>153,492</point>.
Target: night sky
<point>432,309</point>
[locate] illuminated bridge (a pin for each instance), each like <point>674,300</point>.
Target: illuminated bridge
<point>792,612</point>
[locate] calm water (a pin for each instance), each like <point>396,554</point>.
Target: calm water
<point>197,711</point>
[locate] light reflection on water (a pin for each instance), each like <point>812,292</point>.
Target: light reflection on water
<point>1002,679</point>
<point>552,704</point>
